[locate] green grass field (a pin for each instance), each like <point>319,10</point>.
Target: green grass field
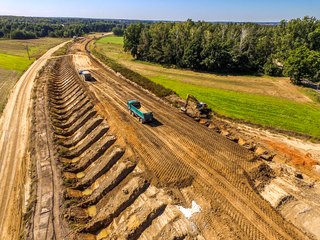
<point>264,110</point>
<point>11,62</point>
<point>271,102</point>
<point>14,60</point>
<point>112,39</point>
<point>37,47</point>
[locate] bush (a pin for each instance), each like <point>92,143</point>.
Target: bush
<point>272,69</point>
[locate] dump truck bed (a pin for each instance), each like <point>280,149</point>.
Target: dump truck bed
<point>144,110</point>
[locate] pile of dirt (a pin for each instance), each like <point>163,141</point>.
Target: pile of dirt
<point>262,175</point>
<point>292,156</point>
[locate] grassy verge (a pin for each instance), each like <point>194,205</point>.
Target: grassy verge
<point>63,50</point>
<point>248,98</point>
<point>7,82</point>
<point>313,94</point>
<point>36,47</point>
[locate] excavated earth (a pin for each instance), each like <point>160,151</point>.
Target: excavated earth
<point>103,175</point>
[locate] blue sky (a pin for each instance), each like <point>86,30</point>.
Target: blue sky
<point>214,10</point>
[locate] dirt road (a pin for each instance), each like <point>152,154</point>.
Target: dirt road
<point>14,130</point>
<point>175,149</point>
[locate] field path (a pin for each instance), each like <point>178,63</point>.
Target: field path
<point>14,135</point>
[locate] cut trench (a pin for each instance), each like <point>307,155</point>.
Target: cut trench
<point>116,205</point>
<point>89,156</point>
<point>80,122</point>
<point>80,135</point>
<point>58,100</point>
<point>62,86</point>
<point>77,104</point>
<point>89,140</point>
<point>100,167</point>
<point>115,176</point>
<point>70,95</point>
<point>73,118</point>
<point>139,222</point>
<point>60,96</point>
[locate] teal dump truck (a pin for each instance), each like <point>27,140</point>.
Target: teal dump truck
<point>138,111</point>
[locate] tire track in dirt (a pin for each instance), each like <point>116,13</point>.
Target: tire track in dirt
<point>226,165</point>
<point>231,199</point>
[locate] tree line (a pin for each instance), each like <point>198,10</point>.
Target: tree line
<point>290,48</point>
<point>12,27</point>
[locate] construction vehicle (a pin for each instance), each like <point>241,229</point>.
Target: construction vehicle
<point>197,110</point>
<point>138,111</point>
<point>86,75</point>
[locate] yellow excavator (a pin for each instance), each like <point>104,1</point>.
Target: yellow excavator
<point>197,110</point>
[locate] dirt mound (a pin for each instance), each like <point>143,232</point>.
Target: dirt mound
<point>262,175</point>
<point>293,156</point>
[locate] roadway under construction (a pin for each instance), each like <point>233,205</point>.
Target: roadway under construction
<point>96,172</point>
<point>110,177</point>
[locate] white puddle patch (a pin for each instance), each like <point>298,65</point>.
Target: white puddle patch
<point>188,212</point>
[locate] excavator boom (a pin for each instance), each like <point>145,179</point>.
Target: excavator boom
<point>192,98</point>
<point>200,108</point>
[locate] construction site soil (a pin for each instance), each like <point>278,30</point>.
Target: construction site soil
<point>103,175</point>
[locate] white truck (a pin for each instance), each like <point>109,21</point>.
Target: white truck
<point>86,75</point>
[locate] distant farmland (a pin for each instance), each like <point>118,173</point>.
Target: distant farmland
<point>14,60</point>
<point>268,101</point>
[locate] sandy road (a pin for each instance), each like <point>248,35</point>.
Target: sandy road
<point>14,130</point>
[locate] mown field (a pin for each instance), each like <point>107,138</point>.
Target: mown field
<point>268,101</point>
<point>112,39</point>
<point>14,61</point>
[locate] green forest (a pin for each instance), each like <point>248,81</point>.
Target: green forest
<point>290,48</point>
<point>12,27</point>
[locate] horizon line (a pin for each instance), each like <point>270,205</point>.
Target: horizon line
<point>149,20</point>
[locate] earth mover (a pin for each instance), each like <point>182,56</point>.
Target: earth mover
<point>195,109</point>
